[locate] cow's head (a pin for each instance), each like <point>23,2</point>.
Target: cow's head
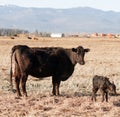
<point>80,53</point>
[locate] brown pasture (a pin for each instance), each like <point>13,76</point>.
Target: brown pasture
<point>75,99</point>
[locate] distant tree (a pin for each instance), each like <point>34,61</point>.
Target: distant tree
<point>36,32</point>
<point>44,34</point>
<point>12,32</point>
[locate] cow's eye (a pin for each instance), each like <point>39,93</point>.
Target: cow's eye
<point>78,52</point>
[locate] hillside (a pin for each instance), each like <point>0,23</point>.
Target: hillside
<point>81,19</point>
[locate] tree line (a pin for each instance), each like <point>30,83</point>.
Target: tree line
<point>13,32</point>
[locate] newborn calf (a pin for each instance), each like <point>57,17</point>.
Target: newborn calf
<point>102,83</point>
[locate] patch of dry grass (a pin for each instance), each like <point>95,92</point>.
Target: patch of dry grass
<point>75,99</point>
<point>37,105</point>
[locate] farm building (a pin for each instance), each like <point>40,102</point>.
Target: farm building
<point>59,35</point>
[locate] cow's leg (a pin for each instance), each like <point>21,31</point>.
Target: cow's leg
<point>56,84</point>
<point>23,84</point>
<point>94,91</point>
<point>17,79</point>
<point>17,82</point>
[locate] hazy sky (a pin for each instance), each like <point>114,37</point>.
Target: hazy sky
<point>99,4</point>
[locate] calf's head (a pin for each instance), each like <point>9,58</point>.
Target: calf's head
<point>80,53</point>
<point>112,88</point>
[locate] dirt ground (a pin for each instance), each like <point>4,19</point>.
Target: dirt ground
<point>75,100</point>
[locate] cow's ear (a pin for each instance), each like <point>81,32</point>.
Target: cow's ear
<point>87,50</point>
<point>74,49</point>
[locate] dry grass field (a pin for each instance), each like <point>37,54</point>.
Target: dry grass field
<point>75,99</point>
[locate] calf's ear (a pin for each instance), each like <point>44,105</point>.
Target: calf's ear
<point>87,50</point>
<point>74,49</point>
<point>113,82</point>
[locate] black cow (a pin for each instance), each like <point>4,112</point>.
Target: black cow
<point>42,62</point>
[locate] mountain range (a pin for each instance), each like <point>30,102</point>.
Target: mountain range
<point>70,20</point>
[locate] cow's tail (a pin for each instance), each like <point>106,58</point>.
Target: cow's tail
<point>11,71</point>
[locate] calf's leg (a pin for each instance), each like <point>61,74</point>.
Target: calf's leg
<point>103,94</point>
<point>94,91</point>
<point>106,96</point>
